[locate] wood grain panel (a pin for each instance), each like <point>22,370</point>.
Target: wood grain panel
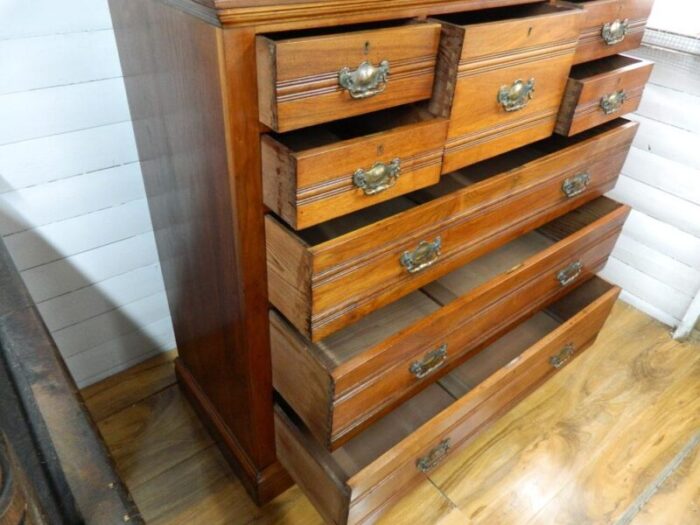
<point>298,77</point>
<point>308,185</point>
<point>588,83</point>
<point>533,42</point>
<point>599,12</point>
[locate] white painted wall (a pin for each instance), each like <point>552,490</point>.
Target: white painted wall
<point>657,260</point>
<point>72,204</point>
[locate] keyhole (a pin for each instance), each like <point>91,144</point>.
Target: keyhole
<point>366,48</point>
<point>380,149</point>
<point>529,32</point>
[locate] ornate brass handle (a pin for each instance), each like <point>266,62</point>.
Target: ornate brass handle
<point>366,81</point>
<point>434,457</point>
<point>569,274</point>
<point>615,32</point>
<point>563,357</point>
<point>517,95</point>
<point>612,102</point>
<point>430,362</point>
<point>426,254</point>
<point>378,178</point>
<point>576,185</point>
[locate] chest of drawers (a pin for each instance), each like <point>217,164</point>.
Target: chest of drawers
<point>379,222</point>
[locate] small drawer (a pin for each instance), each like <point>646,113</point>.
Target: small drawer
<point>326,171</point>
<point>501,77</point>
<point>307,80</point>
<point>329,276</point>
<point>610,26</point>
<point>346,381</point>
<point>357,482</point>
<point>601,91</point>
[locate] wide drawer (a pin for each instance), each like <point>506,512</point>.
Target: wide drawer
<point>326,171</point>
<point>329,276</point>
<point>600,91</point>
<point>359,481</point>
<point>341,384</point>
<point>501,78</point>
<point>307,80</point>
<point>610,27</point>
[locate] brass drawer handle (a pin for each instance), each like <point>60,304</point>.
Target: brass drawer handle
<point>430,362</point>
<point>517,95</point>
<point>378,178</point>
<point>366,81</point>
<point>612,102</point>
<point>569,274</point>
<point>563,357</point>
<point>426,254</point>
<point>615,32</point>
<point>434,457</point>
<point>576,185</point>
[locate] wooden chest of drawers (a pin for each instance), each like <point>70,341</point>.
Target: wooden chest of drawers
<point>379,222</point>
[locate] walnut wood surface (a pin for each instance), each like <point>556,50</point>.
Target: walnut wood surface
<point>308,185</point>
<point>298,77</point>
<point>338,397</point>
<point>530,42</point>
<point>206,208</point>
<point>588,83</point>
<point>371,479</point>
<point>599,12</point>
<point>352,274</point>
<point>278,15</point>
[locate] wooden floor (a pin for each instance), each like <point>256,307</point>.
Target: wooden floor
<point>613,439</point>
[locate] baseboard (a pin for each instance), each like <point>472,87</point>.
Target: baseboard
<point>262,484</point>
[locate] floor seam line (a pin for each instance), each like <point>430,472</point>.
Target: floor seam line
<point>652,488</point>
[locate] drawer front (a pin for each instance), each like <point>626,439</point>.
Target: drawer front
<point>306,81</point>
<point>600,98</point>
<point>324,288</point>
<point>481,127</point>
<point>337,404</point>
<point>363,496</point>
<point>611,27</point>
<point>508,81</point>
<point>312,186</point>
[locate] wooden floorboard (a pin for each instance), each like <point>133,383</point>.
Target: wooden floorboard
<point>582,449</point>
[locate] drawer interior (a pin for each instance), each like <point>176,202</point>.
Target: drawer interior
<point>497,14</point>
<point>391,429</point>
<point>324,135</point>
<point>371,330</point>
<point>602,66</point>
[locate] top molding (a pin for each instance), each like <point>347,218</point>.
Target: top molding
<point>282,15</point>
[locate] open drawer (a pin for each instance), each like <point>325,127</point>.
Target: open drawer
<point>314,76</point>
<point>600,91</point>
<point>326,171</point>
<point>360,480</point>
<point>610,26</point>
<point>341,384</point>
<point>329,276</point>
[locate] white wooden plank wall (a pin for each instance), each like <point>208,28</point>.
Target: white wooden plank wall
<point>657,260</point>
<point>73,211</point>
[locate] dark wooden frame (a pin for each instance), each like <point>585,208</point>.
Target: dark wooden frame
<point>59,467</point>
